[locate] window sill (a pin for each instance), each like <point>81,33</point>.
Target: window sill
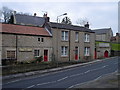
<point>64,56</point>
<point>76,41</point>
<point>64,40</point>
<point>86,55</point>
<point>87,42</point>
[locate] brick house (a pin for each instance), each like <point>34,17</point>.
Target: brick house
<point>102,42</point>
<point>25,42</point>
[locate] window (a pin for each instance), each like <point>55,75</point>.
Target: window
<point>76,36</point>
<point>36,53</point>
<point>64,51</point>
<point>42,39</point>
<point>87,51</point>
<point>64,35</point>
<point>39,39</point>
<point>11,54</point>
<point>87,38</point>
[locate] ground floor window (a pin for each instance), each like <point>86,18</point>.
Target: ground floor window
<point>87,51</point>
<point>64,51</point>
<point>37,53</point>
<point>11,54</point>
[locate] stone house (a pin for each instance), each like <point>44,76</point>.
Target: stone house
<point>61,42</point>
<point>102,42</point>
<point>72,42</point>
<point>20,42</point>
<point>115,45</point>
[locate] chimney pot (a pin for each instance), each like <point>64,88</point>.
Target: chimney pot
<point>35,14</point>
<point>86,25</point>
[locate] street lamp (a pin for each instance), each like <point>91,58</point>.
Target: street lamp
<point>60,16</point>
<point>57,35</point>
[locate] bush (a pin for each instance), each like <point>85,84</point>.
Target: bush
<point>39,59</point>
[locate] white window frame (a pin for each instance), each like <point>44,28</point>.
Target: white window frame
<point>76,36</point>
<point>64,35</point>
<point>87,51</point>
<point>64,50</point>
<point>87,37</point>
<point>38,54</point>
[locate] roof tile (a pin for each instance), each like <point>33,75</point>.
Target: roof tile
<point>20,29</point>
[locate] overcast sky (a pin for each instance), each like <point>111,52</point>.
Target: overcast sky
<point>100,14</point>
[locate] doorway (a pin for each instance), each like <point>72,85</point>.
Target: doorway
<point>45,55</point>
<point>76,53</point>
<point>106,54</point>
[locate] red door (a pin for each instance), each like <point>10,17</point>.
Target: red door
<point>76,53</point>
<point>45,55</point>
<point>95,56</point>
<point>106,54</point>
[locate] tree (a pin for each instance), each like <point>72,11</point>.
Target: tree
<point>66,20</point>
<point>82,21</point>
<point>6,13</point>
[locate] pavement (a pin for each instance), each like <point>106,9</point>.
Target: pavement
<point>20,75</point>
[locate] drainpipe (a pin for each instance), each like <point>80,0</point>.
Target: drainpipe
<point>69,43</point>
<point>16,45</point>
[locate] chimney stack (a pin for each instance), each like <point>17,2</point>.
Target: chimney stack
<point>47,19</point>
<point>86,25</point>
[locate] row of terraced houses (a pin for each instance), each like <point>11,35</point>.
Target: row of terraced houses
<point>27,37</point>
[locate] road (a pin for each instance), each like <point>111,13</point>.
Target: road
<point>67,78</point>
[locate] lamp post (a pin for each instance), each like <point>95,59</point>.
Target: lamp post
<point>60,16</point>
<point>57,35</point>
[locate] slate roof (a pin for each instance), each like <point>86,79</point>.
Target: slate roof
<point>101,31</point>
<point>69,27</point>
<point>29,20</point>
<point>27,30</point>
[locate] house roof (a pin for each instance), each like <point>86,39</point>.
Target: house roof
<point>101,31</point>
<point>29,20</point>
<point>69,27</point>
<point>20,29</point>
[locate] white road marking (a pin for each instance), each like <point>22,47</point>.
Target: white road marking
<point>74,75</point>
<point>43,83</point>
<point>87,71</point>
<point>62,79</point>
<point>31,86</point>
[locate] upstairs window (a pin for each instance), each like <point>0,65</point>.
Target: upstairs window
<point>42,39</point>
<point>87,37</point>
<point>76,36</point>
<point>64,35</point>
<point>39,39</point>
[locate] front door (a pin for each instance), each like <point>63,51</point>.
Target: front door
<point>95,54</point>
<point>45,55</point>
<point>76,53</point>
<point>106,54</point>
